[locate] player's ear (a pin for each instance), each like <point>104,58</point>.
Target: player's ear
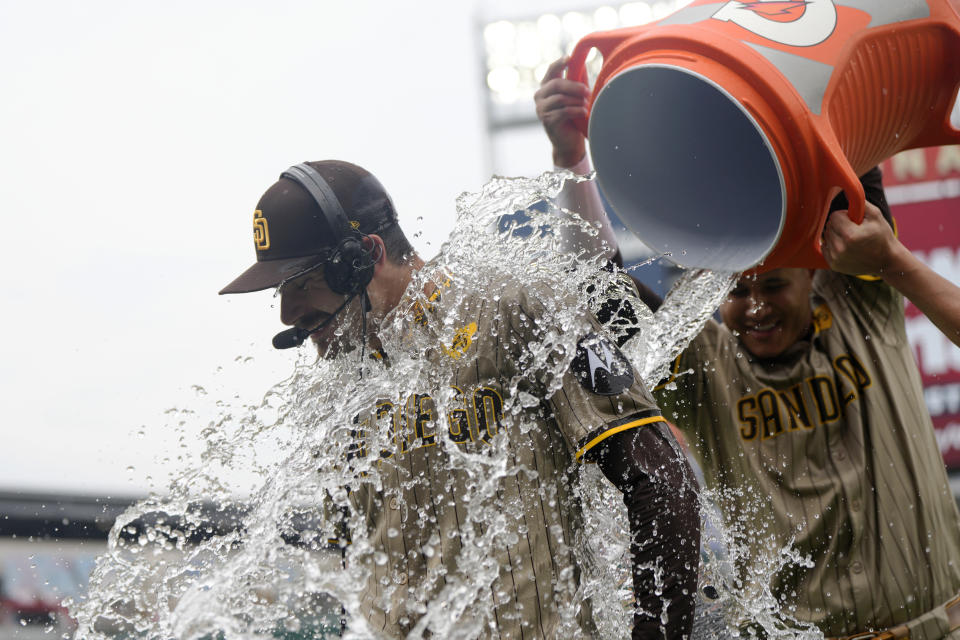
<point>375,248</point>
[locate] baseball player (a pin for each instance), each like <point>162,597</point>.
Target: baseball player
<point>326,235</point>
<point>806,412</point>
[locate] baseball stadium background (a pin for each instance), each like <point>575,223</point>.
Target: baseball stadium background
<point>49,539</point>
<point>923,187</point>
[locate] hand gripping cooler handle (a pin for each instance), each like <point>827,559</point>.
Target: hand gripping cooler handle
<point>837,172</point>
<point>603,41</point>
<point>842,175</point>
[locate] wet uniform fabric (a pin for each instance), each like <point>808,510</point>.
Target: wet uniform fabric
<point>418,516</point>
<point>830,444</point>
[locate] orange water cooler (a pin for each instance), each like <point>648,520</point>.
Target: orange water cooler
<point>721,133</point>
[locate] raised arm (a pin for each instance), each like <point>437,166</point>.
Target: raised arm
<point>871,248</point>
<point>559,102</point>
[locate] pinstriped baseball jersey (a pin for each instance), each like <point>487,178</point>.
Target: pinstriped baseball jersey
<point>418,517</point>
<point>832,445</point>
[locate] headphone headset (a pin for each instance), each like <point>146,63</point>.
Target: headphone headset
<point>348,268</point>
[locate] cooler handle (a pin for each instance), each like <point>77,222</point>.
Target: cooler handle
<point>839,173</point>
<point>605,42</point>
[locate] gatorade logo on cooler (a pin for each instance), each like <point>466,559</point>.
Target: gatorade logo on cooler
<point>799,23</point>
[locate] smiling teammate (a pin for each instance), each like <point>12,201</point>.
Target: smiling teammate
<point>805,410</point>
<point>326,234</point>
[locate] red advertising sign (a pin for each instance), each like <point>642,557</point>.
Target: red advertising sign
<point>923,188</point>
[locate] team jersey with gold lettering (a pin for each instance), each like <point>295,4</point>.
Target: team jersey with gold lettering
<point>833,446</point>
<point>418,518</point>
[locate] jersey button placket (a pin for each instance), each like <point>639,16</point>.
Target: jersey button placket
<point>860,579</point>
<point>857,517</point>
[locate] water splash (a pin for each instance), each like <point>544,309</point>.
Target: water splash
<point>688,305</point>
<point>267,557</point>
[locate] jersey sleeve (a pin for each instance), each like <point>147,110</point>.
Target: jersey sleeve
<point>599,395</point>
<point>875,304</point>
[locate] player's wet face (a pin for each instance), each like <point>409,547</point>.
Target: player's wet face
<point>771,311</point>
<point>307,301</point>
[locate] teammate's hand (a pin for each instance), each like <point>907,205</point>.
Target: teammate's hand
<point>867,248</point>
<point>559,101</point>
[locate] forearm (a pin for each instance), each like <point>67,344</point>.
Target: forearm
<point>665,541</point>
<point>660,494</point>
<point>934,295</point>
<point>583,198</point>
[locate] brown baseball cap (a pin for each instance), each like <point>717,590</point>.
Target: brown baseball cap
<point>292,235</point>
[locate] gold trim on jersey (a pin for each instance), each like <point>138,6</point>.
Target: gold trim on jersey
<point>674,372</point>
<point>615,430</point>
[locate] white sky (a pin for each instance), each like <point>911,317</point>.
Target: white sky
<point>135,140</point>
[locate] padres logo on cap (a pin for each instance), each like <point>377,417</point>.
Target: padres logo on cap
<point>261,232</point>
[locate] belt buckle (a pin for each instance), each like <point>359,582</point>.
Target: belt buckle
<point>953,616</point>
<point>952,603</point>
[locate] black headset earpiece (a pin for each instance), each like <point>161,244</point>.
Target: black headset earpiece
<point>349,267</point>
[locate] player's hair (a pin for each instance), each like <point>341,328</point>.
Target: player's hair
<point>398,247</point>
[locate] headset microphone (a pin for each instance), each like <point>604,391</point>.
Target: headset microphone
<point>295,336</point>
<point>290,338</point>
